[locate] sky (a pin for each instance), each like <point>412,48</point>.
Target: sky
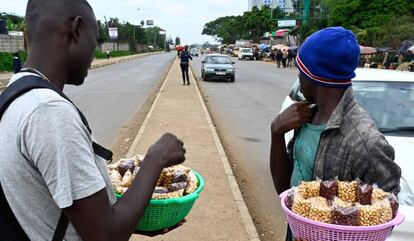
<point>182,18</point>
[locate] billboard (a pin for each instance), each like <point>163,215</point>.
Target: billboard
<point>150,22</point>
<point>113,33</point>
<point>286,23</point>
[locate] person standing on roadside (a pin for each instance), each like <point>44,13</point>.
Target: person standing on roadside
<point>334,136</point>
<point>185,58</point>
<point>279,56</point>
<point>107,54</point>
<point>49,171</point>
<point>17,63</point>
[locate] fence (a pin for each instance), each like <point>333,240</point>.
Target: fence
<point>11,44</point>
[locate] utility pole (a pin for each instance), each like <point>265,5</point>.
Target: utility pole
<point>134,27</point>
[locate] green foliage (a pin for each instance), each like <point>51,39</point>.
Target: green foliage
<point>376,23</point>
<point>177,41</point>
<point>251,25</point>
<point>102,55</point>
<point>6,61</point>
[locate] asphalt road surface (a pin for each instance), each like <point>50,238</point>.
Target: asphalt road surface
<point>111,95</point>
<point>243,113</point>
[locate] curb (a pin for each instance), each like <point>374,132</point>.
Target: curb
<point>237,196</point>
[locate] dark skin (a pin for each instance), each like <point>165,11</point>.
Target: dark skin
<point>326,100</point>
<point>71,47</point>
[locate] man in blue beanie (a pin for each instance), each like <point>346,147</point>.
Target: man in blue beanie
<point>334,136</point>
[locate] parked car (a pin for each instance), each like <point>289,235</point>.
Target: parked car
<point>217,66</point>
<point>194,52</point>
<point>245,53</point>
<point>388,97</point>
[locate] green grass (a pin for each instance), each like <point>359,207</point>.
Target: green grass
<point>102,54</point>
<point>6,61</point>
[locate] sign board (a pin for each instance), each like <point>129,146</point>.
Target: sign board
<point>113,33</point>
<point>267,2</point>
<point>286,23</point>
<point>150,22</point>
<point>16,33</point>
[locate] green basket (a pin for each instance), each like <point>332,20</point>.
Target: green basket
<point>166,213</point>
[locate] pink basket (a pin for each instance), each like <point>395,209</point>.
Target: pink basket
<point>317,231</point>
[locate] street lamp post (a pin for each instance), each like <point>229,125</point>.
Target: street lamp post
<point>134,26</point>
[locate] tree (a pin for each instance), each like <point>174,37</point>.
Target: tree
<point>177,41</point>
<point>250,25</point>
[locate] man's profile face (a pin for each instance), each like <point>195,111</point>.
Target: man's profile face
<point>307,88</point>
<point>82,53</point>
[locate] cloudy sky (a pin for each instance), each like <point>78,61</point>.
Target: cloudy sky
<point>183,18</point>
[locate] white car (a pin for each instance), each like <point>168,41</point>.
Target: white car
<point>388,97</point>
<point>245,53</point>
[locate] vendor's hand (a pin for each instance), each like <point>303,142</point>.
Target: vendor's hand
<point>291,118</point>
<point>169,149</point>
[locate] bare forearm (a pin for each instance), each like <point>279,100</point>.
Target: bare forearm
<point>280,166</point>
<point>131,207</point>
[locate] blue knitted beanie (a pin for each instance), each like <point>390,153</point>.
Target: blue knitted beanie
<point>329,57</point>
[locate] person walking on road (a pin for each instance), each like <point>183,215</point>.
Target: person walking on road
<point>52,172</point>
<point>17,63</point>
<point>334,136</point>
<point>284,58</point>
<point>290,58</point>
<point>279,56</point>
<point>185,58</point>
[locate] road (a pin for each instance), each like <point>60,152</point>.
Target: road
<point>243,112</point>
<point>111,95</point>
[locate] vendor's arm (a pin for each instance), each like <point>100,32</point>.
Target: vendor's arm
<point>280,165</point>
<point>378,166</point>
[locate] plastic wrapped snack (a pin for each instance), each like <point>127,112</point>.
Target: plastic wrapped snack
<point>369,215</point>
<point>120,189</point>
<point>309,189</point>
<point>348,216</point>
<point>301,206</point>
<point>320,210</point>
<point>177,186</point>
<point>384,210</point>
<point>379,194</point>
<point>168,195</point>
<point>364,193</point>
<point>161,190</point>
<point>329,189</point>
<point>179,176</point>
<point>290,198</point>
<point>116,178</point>
<point>347,191</point>
<point>127,179</point>
<point>125,165</point>
<point>394,204</point>
<point>192,183</point>
<point>339,202</point>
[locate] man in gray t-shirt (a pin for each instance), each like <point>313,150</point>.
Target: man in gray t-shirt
<point>47,162</point>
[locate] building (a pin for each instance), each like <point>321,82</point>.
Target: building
<point>283,4</point>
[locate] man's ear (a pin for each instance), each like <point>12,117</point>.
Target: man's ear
<point>75,28</point>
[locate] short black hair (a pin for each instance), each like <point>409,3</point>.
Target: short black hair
<point>44,15</point>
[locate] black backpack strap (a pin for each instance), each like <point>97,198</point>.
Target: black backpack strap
<point>10,228</point>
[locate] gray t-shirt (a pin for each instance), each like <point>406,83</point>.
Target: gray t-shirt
<point>47,161</point>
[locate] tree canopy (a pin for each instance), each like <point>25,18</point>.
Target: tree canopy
<point>378,23</point>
